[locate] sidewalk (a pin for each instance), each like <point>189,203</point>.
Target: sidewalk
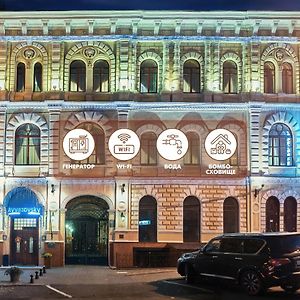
<point>80,275</point>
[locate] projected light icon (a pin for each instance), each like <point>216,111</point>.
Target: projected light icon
<point>124,137</point>
<point>172,144</point>
<point>124,144</point>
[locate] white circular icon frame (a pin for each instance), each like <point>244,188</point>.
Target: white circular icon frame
<point>78,144</point>
<point>172,144</point>
<point>124,144</point>
<point>220,144</point>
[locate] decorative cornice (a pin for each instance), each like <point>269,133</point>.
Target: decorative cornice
<point>76,38</point>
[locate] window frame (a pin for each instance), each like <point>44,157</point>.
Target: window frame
<point>20,77</point>
<point>269,78</point>
<point>28,146</point>
<point>230,76</point>
<point>285,149</point>
<point>150,74</point>
<point>104,73</point>
<point>191,74</point>
<point>81,76</point>
<point>149,147</point>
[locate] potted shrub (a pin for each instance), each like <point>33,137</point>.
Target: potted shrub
<point>14,273</point>
<point>47,259</point>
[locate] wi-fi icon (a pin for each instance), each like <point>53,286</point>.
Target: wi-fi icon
<point>124,137</point>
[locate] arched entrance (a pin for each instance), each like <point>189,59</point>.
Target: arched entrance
<point>148,219</point>
<point>24,210</point>
<point>272,214</point>
<point>191,219</point>
<point>87,231</point>
<point>230,215</point>
<point>290,214</point>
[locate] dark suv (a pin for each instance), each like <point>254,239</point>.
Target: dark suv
<point>253,260</point>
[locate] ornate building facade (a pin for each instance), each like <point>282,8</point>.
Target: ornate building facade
<point>102,71</point>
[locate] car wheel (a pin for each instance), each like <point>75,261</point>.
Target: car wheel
<point>290,289</point>
<point>189,274</point>
<point>251,283</point>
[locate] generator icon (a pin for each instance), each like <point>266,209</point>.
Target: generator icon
<point>79,144</point>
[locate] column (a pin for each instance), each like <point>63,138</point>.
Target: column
<point>55,142</point>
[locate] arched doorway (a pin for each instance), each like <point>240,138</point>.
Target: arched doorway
<point>290,214</point>
<point>191,219</point>
<point>272,214</point>
<point>25,211</point>
<point>230,215</point>
<point>148,219</point>
<point>87,231</point>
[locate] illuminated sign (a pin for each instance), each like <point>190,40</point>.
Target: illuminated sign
<point>32,211</point>
<point>144,222</point>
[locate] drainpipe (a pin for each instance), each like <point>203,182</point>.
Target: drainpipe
<point>248,202</point>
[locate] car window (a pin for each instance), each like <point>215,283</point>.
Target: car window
<point>251,246</point>
<point>213,246</point>
<point>283,244</point>
<point>231,245</point>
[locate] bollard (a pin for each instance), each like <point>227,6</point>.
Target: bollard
<point>44,269</point>
<point>41,272</point>
<point>31,278</point>
<point>36,275</point>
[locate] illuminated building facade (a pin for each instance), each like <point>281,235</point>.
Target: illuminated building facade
<point>101,71</point>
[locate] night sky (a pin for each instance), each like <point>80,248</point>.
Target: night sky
<point>149,5</point>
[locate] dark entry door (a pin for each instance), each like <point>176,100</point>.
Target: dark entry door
<point>272,214</point>
<point>24,241</point>
<point>290,214</point>
<point>88,242</point>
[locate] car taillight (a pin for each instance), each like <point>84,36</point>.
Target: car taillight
<point>278,262</point>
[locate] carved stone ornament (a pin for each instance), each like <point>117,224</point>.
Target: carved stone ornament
<point>279,55</point>
<point>29,53</point>
<point>89,52</point>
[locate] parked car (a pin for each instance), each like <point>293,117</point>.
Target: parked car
<point>255,261</point>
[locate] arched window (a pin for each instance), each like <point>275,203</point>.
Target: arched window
<point>98,155</point>
<point>27,145</point>
<point>272,214</point>
<point>230,215</point>
<point>230,77</point>
<point>191,76</point>
<point>38,78</point>
<point>287,78</point>
<point>192,156</point>
<point>234,159</point>
<point>148,149</point>
<point>101,76</point>
<point>148,219</point>
<point>191,219</point>
<point>290,214</point>
<point>280,145</point>
<point>269,78</point>
<point>77,76</point>
<point>148,76</point>
<point>20,77</point>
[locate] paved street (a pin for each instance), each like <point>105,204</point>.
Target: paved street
<point>92,282</point>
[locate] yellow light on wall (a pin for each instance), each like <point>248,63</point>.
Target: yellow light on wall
<point>55,85</point>
<point>255,84</point>
<point>1,85</point>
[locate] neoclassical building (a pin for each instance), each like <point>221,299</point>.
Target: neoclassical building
<point>199,73</point>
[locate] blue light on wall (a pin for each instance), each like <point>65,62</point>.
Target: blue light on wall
<point>22,202</point>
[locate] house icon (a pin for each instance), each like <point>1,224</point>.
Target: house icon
<point>219,145</point>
